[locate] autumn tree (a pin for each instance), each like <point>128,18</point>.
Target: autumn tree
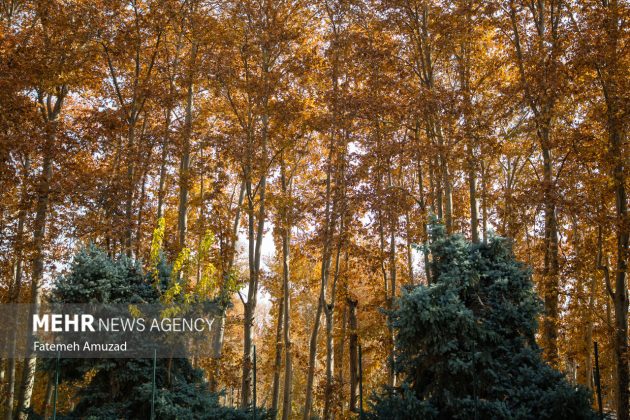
<point>287,156</point>
<point>53,54</point>
<point>538,52</point>
<point>601,32</point>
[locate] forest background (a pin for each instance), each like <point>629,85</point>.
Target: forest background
<point>288,154</point>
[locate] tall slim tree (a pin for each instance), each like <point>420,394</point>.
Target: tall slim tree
<point>130,57</point>
<point>601,29</point>
<point>60,45</point>
<point>539,43</point>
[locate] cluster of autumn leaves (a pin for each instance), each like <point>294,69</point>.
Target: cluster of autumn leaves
<point>311,141</point>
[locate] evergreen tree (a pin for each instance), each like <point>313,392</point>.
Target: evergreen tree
<point>122,388</point>
<point>96,278</point>
<point>466,343</point>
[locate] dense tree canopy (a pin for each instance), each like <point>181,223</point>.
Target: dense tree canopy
<point>286,155</point>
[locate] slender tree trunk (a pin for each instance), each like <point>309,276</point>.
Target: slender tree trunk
<point>551,263</point>
<point>390,304</point>
<point>184,165</point>
<point>248,315</point>
<point>130,185</point>
<point>389,279</point>
<point>340,352</point>
<point>163,161</point>
<point>472,191</point>
<point>329,312</point>
<point>143,186</point>
<point>256,231</point>
<point>277,366</point>
<point>445,176</point>
<point>353,354</point>
<point>448,193</point>
<point>587,282</point>
<point>329,315</point>
<point>611,75</point>
<point>256,223</point>
<point>217,347</point>
<point>437,196</point>
<point>141,212</point>
<point>484,203</point>
<point>14,292</point>
<point>432,208</point>
<point>611,333</point>
<point>39,234</point>
<point>326,257</point>
<point>588,339</point>
<point>286,296</point>
<point>246,382</point>
<point>621,287</point>
<point>49,394</point>
<point>218,336</point>
<point>424,217</point>
<point>255,240</point>
<point>313,344</point>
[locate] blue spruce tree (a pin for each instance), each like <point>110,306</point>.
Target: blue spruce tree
<point>122,388</point>
<point>466,344</point>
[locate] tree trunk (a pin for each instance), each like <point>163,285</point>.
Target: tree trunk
<point>448,193</point>
<point>218,336</point>
<point>141,212</point>
<point>255,242</point>
<point>611,77</point>
<point>424,217</point>
<point>143,186</point>
<point>163,159</point>
<point>472,190</point>
<point>542,105</point>
<point>445,184</point>
<point>312,353</point>
<point>437,182</point>
<point>326,257</point>
<point>255,237</point>
<point>130,185</point>
<point>329,312</point>
<point>610,330</point>
<point>340,352</point>
<point>463,67</point>
<point>277,366</point>
<point>286,296</point>
<point>390,305</point>
<point>184,164</point>
<point>551,263</point>
<point>14,292</point>
<point>389,279</point>
<point>255,225</point>
<point>39,234</point>
<point>50,388</point>
<point>621,288</point>
<point>484,203</point>
<point>588,368</point>
<point>246,380</point>
<point>353,354</point>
